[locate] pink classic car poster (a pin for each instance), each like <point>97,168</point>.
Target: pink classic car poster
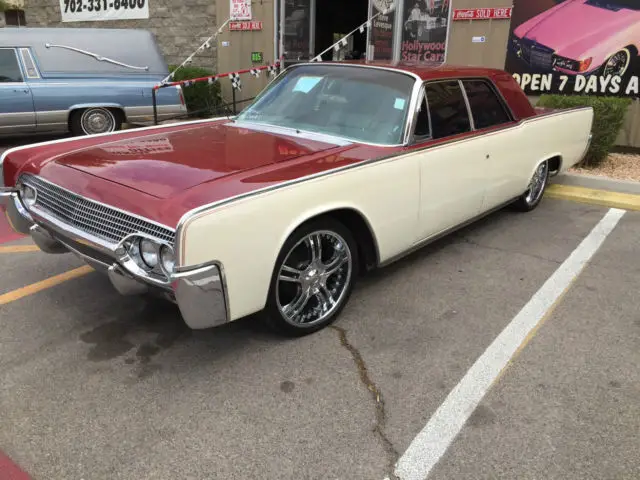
<point>576,46</point>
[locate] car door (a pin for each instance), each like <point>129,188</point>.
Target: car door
<point>16,102</point>
<point>501,140</point>
<point>453,171</point>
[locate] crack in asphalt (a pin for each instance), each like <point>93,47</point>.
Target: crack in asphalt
<point>376,394</point>
<point>465,240</point>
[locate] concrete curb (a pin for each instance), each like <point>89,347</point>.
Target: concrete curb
<point>597,183</point>
<point>626,201</point>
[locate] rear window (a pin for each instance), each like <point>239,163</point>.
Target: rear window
<point>486,108</point>
<point>9,68</point>
<point>448,109</point>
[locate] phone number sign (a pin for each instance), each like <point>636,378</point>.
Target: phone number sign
<point>103,10</point>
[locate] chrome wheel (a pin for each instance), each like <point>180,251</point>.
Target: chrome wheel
<point>97,120</point>
<point>537,184</point>
<point>314,278</point>
<point>618,63</point>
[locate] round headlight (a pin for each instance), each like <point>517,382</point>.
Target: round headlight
<point>168,259</point>
<point>149,252</point>
<point>29,195</point>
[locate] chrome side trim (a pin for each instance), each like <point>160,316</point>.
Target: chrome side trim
<point>99,58</point>
<point>434,238</point>
<point>198,211</point>
<point>466,102</point>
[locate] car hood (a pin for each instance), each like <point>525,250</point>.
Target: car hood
<point>168,163</point>
<point>577,23</point>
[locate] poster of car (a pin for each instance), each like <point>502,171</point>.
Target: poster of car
<point>424,35</point>
<point>381,38</point>
<point>587,47</point>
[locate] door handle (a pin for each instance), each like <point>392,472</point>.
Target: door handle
<point>25,90</point>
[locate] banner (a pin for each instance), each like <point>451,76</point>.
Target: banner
<point>103,10</point>
<point>586,47</point>
<point>424,35</point>
<point>240,9</point>
<point>381,36</point>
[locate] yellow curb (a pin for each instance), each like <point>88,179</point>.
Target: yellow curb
<point>605,198</point>
<point>43,285</point>
<point>19,249</point>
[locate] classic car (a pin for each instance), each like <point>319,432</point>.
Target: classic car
<point>334,169</point>
<point>83,80</point>
<point>581,37</point>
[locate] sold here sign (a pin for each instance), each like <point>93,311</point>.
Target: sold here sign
<point>482,13</point>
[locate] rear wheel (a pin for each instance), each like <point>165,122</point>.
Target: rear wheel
<point>95,120</point>
<point>313,278</point>
<point>538,184</point>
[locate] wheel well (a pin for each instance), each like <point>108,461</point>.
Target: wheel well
<point>118,112</point>
<point>359,228</point>
<point>633,49</point>
<point>555,163</point>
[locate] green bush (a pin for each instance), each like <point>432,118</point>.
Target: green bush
<point>608,117</point>
<point>202,99</point>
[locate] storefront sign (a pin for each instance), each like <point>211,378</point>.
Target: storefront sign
<point>103,10</point>
<point>245,26</point>
<point>240,9</point>
<point>575,47</point>
<point>257,57</point>
<point>424,36</point>
<point>381,37</point>
<point>482,13</point>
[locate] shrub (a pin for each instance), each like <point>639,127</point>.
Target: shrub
<point>202,99</point>
<point>608,117</point>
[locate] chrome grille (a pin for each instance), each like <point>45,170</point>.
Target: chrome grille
<point>91,217</point>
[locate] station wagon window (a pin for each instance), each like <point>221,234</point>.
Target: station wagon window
<point>486,107</point>
<point>448,109</point>
<point>29,64</point>
<point>9,68</point>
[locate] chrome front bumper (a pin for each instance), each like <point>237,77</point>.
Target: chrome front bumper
<point>198,291</point>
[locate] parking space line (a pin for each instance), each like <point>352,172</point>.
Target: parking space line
<point>43,285</point>
<point>19,249</point>
<point>431,443</point>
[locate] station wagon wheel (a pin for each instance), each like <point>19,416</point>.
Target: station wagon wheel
<point>535,191</point>
<point>313,278</point>
<point>618,63</point>
<point>95,120</point>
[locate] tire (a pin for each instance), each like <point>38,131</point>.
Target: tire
<point>95,120</point>
<point>307,291</point>
<point>530,199</point>
<point>618,63</point>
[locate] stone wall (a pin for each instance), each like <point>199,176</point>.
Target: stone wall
<point>179,27</point>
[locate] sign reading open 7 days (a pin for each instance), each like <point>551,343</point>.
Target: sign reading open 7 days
<point>102,10</point>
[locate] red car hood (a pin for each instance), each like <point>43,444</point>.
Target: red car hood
<point>167,163</point>
<point>574,24</point>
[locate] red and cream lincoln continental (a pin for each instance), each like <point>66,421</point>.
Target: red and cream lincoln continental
<point>336,168</point>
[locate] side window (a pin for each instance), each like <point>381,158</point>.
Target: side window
<point>423,129</point>
<point>9,68</point>
<point>448,109</point>
<point>29,64</point>
<point>486,107</point>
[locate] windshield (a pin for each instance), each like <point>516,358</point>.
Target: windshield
<point>615,4</point>
<point>361,104</point>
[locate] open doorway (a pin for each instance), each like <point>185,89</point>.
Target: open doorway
<point>334,20</point>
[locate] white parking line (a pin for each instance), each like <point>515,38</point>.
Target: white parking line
<point>432,442</point>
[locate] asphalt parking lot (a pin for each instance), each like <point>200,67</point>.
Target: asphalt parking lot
<point>98,386</point>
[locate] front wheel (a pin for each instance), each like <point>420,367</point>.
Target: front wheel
<point>93,121</point>
<point>538,184</point>
<point>313,278</point>
<point>618,63</point>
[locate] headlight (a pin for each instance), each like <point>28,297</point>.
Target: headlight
<point>167,259</point>
<point>149,252</point>
<point>28,195</point>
